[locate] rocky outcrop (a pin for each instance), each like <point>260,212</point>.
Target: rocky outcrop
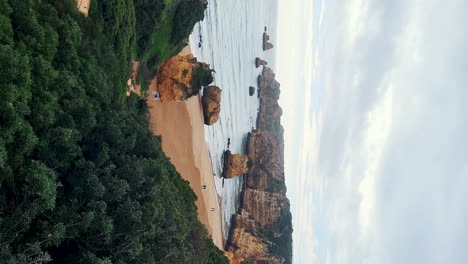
<point>251,90</point>
<point>182,77</point>
<point>246,243</point>
<point>261,231</point>
<point>268,85</point>
<point>259,62</point>
<point>234,164</point>
<point>266,45</point>
<point>264,152</point>
<point>264,206</point>
<point>211,102</point>
<point>269,116</point>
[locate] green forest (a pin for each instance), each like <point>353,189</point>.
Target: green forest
<point>82,178</point>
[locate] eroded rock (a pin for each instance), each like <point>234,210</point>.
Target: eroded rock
<point>266,45</point>
<point>251,90</point>
<point>259,62</point>
<point>181,77</point>
<point>263,222</point>
<point>234,164</point>
<point>246,243</point>
<point>265,154</point>
<point>211,104</point>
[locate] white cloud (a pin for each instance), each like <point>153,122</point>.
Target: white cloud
<point>378,130</point>
<point>387,149</point>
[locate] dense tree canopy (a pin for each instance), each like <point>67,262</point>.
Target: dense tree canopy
<point>82,178</point>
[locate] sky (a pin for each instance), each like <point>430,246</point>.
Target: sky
<point>376,153</point>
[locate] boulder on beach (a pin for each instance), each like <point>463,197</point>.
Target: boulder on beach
<point>234,164</point>
<point>182,77</point>
<point>251,90</point>
<point>259,62</point>
<point>211,101</point>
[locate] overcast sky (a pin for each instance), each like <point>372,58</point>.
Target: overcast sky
<point>373,94</point>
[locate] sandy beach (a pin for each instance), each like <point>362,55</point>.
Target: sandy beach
<point>180,124</point>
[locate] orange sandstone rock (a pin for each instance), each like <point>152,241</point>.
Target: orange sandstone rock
<point>234,164</point>
<point>177,78</point>
<point>211,104</point>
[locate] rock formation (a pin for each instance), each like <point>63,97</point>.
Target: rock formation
<point>259,62</point>
<point>251,90</point>
<point>269,116</point>
<point>182,77</point>
<point>211,102</point>
<point>234,164</point>
<point>266,45</point>
<point>246,243</point>
<point>265,155</point>
<point>263,206</point>
<point>261,231</point>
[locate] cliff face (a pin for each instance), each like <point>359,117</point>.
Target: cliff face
<point>182,77</point>
<point>264,206</point>
<point>261,231</point>
<point>211,104</point>
<point>269,116</point>
<point>234,164</point>
<point>265,154</point>
<point>247,244</point>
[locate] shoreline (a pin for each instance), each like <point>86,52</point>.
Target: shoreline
<point>181,127</point>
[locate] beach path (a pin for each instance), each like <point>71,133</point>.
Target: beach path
<point>83,6</point>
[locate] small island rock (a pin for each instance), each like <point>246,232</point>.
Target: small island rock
<point>251,90</point>
<point>234,164</point>
<point>266,45</point>
<point>259,62</point>
<point>211,104</point>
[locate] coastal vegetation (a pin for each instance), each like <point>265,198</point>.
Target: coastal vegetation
<point>82,178</point>
<point>163,28</point>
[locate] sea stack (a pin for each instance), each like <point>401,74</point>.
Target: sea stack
<point>211,101</point>
<point>251,90</point>
<point>266,45</point>
<point>259,62</point>
<point>234,164</point>
<point>264,216</point>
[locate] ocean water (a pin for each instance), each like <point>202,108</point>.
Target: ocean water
<point>231,38</point>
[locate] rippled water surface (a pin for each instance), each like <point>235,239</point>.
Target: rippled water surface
<point>231,38</point>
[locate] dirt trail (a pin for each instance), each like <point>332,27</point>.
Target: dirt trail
<point>83,6</point>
